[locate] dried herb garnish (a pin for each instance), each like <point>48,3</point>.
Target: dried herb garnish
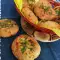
<point>6,24</point>
<point>23,49</point>
<point>57,12</point>
<point>46,8</point>
<point>24,43</point>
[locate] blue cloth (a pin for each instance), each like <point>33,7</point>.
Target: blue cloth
<point>49,51</point>
<point>8,9</point>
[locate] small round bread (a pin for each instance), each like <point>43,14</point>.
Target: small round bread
<point>25,47</point>
<point>8,28</point>
<point>27,27</point>
<point>38,35</point>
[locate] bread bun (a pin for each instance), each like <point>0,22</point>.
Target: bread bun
<point>40,36</point>
<point>25,48</point>
<point>27,27</point>
<point>8,28</point>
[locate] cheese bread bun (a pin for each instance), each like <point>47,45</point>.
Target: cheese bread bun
<point>27,27</point>
<point>8,28</point>
<point>25,48</point>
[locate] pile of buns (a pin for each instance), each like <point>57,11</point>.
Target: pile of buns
<point>44,28</point>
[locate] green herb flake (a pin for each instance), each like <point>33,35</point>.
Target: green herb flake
<point>23,49</point>
<point>22,38</point>
<point>57,12</point>
<point>6,24</point>
<point>26,44</point>
<point>46,8</point>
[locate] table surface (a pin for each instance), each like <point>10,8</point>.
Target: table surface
<point>49,51</point>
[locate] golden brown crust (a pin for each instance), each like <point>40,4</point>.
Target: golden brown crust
<point>8,31</point>
<point>22,56</point>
